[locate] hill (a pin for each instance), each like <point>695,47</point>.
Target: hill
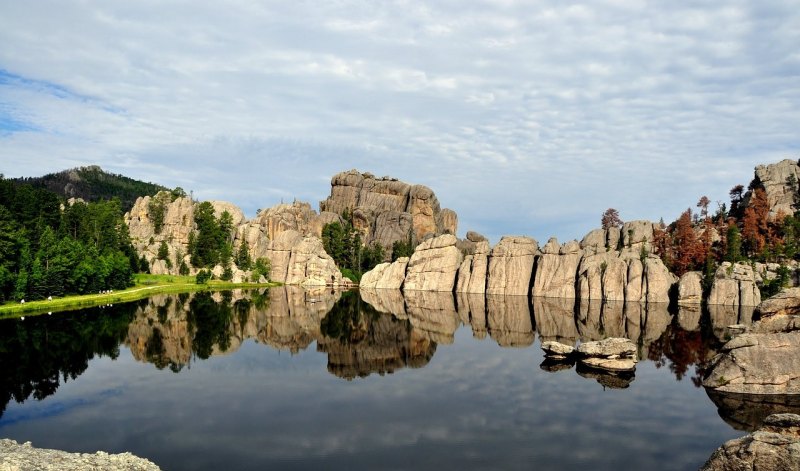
<point>93,184</point>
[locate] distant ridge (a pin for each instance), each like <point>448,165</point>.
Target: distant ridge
<point>92,183</point>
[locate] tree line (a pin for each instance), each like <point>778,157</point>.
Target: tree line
<point>49,251</point>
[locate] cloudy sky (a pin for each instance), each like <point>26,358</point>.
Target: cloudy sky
<point>527,117</point>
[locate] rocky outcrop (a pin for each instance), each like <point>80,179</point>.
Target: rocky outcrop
<point>21,456</point>
<point>310,265</point>
<point>774,178</point>
<point>556,269</point>
<point>472,273</point>
<point>775,446</point>
<point>177,222</point>
<point>385,275</point>
<point>734,285</point>
<point>386,210</point>
<point>302,260</point>
<point>758,364</point>
<point>511,266</point>
<point>434,265</point>
<point>785,303</point>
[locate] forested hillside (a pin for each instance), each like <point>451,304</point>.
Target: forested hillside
<point>93,184</point>
<point>46,251</point>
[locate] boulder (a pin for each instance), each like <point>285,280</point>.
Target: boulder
<point>557,350</point>
<point>785,303</point>
<point>774,446</point>
<point>434,265</point>
<point>757,364</point>
<point>473,236</point>
<point>637,234</point>
<point>611,348</point>
<point>595,241</point>
<point>690,288</point>
<point>511,266</point>
<point>449,221</point>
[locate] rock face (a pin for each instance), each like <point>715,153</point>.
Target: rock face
<point>690,288</point>
<point>785,303</point>
<point>758,364</point>
<point>556,269</point>
<point>734,285</point>
<point>472,273</point>
<point>386,210</point>
<point>434,265</point>
<point>775,180</point>
<point>774,446</point>
<point>511,266</point>
<point>386,275</point>
<point>178,223</point>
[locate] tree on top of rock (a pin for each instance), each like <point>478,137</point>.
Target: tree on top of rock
<point>610,219</point>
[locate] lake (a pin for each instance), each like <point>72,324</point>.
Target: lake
<point>292,379</point>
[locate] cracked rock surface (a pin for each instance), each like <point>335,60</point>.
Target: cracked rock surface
<point>773,446</point>
<point>23,456</point>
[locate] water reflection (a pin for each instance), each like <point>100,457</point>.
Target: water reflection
<point>371,332</point>
<point>747,412</point>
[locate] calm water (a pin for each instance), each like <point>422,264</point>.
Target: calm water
<point>292,379</point>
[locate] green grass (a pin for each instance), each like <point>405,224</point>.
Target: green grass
<point>144,285</point>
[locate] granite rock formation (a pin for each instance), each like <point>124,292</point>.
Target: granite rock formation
<point>734,285</point>
<point>774,446</point>
<point>774,178</point>
<point>387,210</point>
<point>758,364</point>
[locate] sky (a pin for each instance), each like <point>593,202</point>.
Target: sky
<point>526,118</point>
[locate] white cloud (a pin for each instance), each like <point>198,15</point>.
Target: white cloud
<point>525,117</point>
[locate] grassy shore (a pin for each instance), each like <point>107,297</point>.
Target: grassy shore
<point>144,285</point>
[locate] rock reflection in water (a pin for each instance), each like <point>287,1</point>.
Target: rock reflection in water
<point>360,341</point>
<point>433,314</point>
<point>747,411</point>
<point>555,320</point>
<point>510,321</point>
<point>170,330</point>
<point>607,379</point>
<point>723,316</point>
<point>377,331</point>
<point>472,311</point>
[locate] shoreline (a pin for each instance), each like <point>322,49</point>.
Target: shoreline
<point>14,455</point>
<point>135,293</point>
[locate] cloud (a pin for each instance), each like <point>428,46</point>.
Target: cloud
<point>524,117</point>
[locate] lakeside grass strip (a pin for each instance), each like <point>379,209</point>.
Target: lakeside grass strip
<point>145,285</point>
